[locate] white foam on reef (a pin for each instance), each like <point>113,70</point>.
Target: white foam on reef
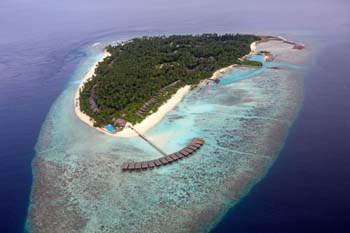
<point>96,44</point>
<point>79,185</point>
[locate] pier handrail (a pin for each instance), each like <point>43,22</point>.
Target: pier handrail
<point>148,141</point>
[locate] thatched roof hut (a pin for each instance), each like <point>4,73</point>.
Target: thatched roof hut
<point>137,165</point>
<point>169,159</point>
<point>119,122</point>
<point>185,153</point>
<point>193,147</point>
<point>151,164</point>
<point>157,162</point>
<point>92,102</point>
<point>179,155</point>
<point>125,165</point>
<point>189,150</point>
<point>131,166</point>
<point>163,160</point>
<point>144,165</point>
<point>174,157</point>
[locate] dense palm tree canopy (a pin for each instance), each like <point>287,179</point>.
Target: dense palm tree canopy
<point>136,71</point>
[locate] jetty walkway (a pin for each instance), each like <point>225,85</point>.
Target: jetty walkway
<point>194,145</point>
<point>148,141</point>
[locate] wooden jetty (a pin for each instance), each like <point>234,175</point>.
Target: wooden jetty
<point>148,141</point>
<point>193,146</point>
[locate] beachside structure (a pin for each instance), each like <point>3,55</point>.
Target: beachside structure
<point>144,107</point>
<point>193,146</point>
<point>119,123</point>
<point>92,102</point>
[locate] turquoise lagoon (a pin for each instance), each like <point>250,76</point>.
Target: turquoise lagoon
<point>78,182</point>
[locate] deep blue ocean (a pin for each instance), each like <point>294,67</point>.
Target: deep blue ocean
<point>308,187</point>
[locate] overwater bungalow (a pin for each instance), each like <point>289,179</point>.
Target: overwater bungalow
<point>125,165</point>
<point>157,162</point>
<point>185,153</point>
<point>163,161</point>
<point>131,166</point>
<point>137,165</point>
<point>174,157</point>
<point>151,164</point>
<point>195,144</point>
<point>190,151</point>
<point>179,155</point>
<point>169,159</point>
<point>200,142</point>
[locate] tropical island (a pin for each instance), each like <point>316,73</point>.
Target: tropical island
<point>138,76</point>
<point>219,141</point>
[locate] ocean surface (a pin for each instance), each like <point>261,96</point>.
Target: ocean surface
<point>307,189</point>
<point>42,44</point>
<point>79,186</point>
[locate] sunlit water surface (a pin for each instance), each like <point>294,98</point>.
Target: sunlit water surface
<point>79,185</point>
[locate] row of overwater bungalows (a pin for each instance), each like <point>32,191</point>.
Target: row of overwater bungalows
<point>194,145</point>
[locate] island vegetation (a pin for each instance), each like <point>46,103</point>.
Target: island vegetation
<point>154,68</point>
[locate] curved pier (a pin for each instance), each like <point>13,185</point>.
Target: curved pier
<point>193,146</point>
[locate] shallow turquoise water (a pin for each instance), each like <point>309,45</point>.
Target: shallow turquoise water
<point>240,74</point>
<point>244,123</point>
<point>244,73</point>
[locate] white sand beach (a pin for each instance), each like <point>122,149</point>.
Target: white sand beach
<point>82,116</point>
<point>253,47</point>
<point>151,120</point>
<point>217,74</point>
<point>142,127</point>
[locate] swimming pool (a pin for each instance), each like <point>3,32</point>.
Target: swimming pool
<point>110,128</point>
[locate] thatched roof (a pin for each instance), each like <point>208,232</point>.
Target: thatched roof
<point>92,102</point>
<point>120,122</point>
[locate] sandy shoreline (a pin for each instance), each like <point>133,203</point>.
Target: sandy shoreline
<point>82,116</point>
<point>142,127</point>
<point>151,120</point>
<point>217,74</point>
